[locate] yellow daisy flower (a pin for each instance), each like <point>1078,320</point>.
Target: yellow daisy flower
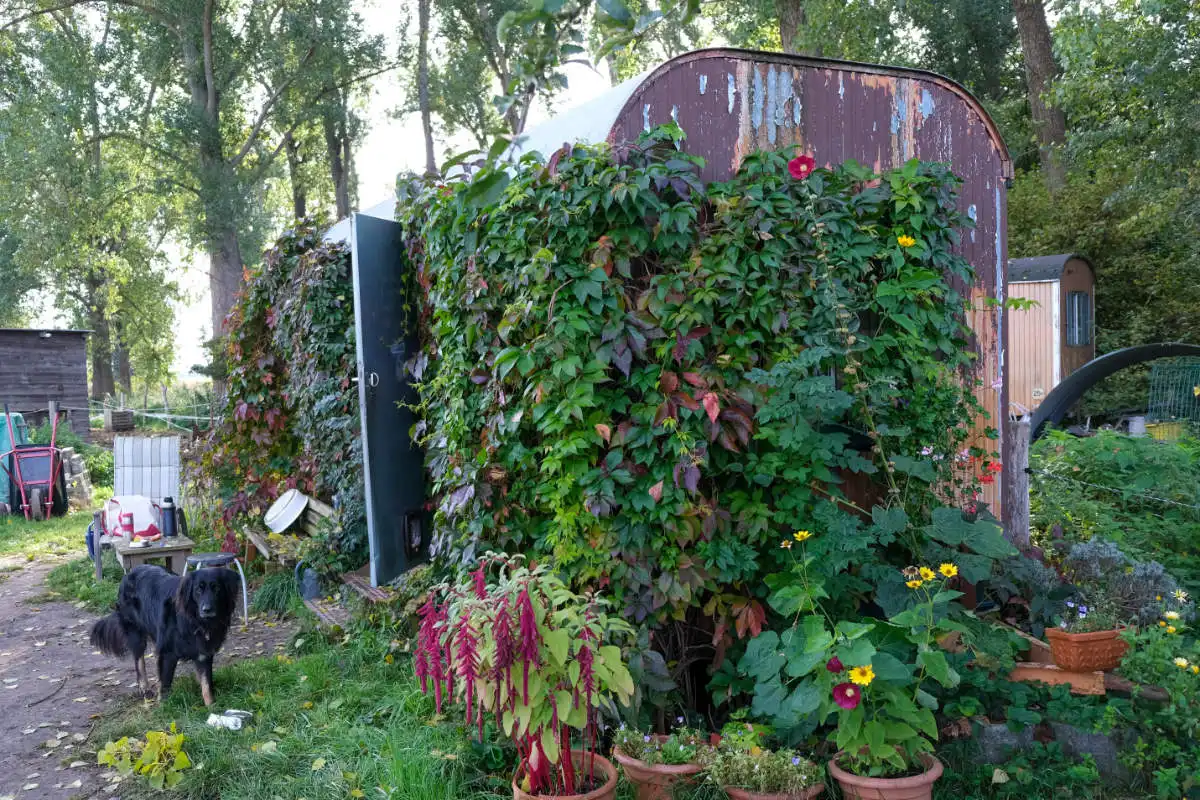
<point>949,570</point>
<point>1195,670</point>
<point>786,544</point>
<point>862,675</point>
<point>801,536</point>
<point>1182,663</point>
<point>1158,597</point>
<point>1180,594</point>
<point>914,584</point>
<point>1170,629</point>
<point>926,574</point>
<point>1162,624</point>
<point>1172,615</point>
<point>905,240</point>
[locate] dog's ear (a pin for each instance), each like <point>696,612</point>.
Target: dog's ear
<point>184,601</point>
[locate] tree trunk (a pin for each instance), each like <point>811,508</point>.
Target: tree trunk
<point>339,171</point>
<point>423,84</point>
<point>124,368</point>
<point>224,276</point>
<point>791,23</point>
<point>1040,71</point>
<point>299,193</point>
<point>100,343</point>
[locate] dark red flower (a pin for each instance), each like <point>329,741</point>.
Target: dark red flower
<point>995,466</point>
<point>847,695</point>
<point>834,665</point>
<point>801,167</point>
<point>987,478</point>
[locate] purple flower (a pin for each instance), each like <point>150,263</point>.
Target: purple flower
<point>646,738</point>
<point>1070,604</point>
<point>1083,610</point>
<point>796,761</point>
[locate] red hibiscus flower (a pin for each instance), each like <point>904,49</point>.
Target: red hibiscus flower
<point>801,167</point>
<point>834,665</point>
<point>847,695</point>
<point>995,466</point>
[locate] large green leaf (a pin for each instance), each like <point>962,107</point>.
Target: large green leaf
<point>935,663</point>
<point>763,658</point>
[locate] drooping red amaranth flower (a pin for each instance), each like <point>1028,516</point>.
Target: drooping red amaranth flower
<point>531,639</point>
<point>467,662</point>
<point>801,166</point>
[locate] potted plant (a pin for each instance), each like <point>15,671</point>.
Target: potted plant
<point>1088,636</point>
<point>517,644</point>
<point>885,722</point>
<point>656,763</point>
<point>747,771</point>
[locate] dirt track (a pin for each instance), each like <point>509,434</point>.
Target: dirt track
<point>54,686</point>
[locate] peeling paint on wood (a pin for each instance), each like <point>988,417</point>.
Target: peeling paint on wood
<point>837,111</point>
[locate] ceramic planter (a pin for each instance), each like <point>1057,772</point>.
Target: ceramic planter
<point>914,787</point>
<point>1086,652</point>
<point>582,761</point>
<point>746,794</point>
<point>654,781</point>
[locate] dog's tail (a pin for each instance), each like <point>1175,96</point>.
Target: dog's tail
<point>108,636</point>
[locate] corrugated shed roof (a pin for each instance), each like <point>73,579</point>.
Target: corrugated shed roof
<point>1040,268</point>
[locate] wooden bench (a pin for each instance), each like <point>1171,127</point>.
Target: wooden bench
<point>315,513</point>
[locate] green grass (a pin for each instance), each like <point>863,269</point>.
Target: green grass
<point>339,702</point>
<point>278,594</point>
<point>55,537</point>
<point>75,581</point>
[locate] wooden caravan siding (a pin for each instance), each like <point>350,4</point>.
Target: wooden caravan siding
<point>1031,344</point>
<point>732,102</point>
<point>35,370</point>
<point>1077,277</point>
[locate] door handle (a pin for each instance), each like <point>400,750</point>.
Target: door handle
<point>372,379</point>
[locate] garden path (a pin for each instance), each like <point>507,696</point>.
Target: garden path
<point>54,686</point>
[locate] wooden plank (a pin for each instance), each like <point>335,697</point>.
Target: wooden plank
<point>1085,683</point>
<point>260,542</point>
<point>319,508</point>
<point>330,615</point>
<point>1017,487</point>
<point>360,583</point>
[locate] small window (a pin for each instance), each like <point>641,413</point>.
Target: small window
<point>1079,319</point>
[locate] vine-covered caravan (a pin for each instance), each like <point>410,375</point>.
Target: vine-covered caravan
<point>732,102</point>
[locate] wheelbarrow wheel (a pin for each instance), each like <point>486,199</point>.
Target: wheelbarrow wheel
<point>37,499</point>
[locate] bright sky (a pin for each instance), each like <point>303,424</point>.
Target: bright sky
<point>391,146</point>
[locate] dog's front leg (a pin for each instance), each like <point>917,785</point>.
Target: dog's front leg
<point>204,675</point>
<point>143,677</point>
<point>166,673</point>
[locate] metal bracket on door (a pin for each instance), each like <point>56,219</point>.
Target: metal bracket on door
<point>413,533</point>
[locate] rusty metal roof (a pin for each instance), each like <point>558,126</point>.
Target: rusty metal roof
<point>1041,268</point>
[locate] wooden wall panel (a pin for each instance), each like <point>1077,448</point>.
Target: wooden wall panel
<point>35,370</point>
<point>1031,344</point>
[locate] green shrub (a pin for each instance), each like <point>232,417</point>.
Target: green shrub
<point>1140,493</point>
<point>277,593</point>
<point>652,381</point>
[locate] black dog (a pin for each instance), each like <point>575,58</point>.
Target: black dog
<point>187,619</point>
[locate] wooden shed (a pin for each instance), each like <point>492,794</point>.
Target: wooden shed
<point>41,365</point>
<point>1049,341</point>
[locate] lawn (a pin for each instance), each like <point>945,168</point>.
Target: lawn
<point>56,537</point>
<point>332,720</point>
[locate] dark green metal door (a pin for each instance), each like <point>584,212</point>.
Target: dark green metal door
<point>392,463</point>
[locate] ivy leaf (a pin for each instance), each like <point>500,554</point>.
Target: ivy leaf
<point>604,431</point>
<point>656,491</point>
<point>712,406</point>
<point>763,660</point>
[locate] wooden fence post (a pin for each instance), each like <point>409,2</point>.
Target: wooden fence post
<point>1017,497</point>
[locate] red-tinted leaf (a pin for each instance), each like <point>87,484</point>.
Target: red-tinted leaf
<point>669,381</point>
<point>712,405</point>
<point>604,431</point>
<point>656,491</point>
<point>686,400</point>
<point>695,379</point>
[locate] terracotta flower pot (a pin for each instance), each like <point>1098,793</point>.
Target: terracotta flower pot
<point>582,761</point>
<point>745,794</point>
<point>914,787</point>
<point>1086,652</point>
<point>654,781</point>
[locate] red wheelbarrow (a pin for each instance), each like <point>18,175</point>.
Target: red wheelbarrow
<point>33,471</point>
